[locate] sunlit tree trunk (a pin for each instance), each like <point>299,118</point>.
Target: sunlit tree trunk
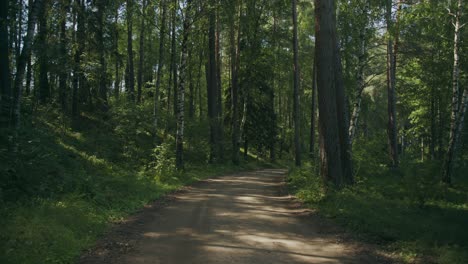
<point>456,116</point>
<point>162,35</point>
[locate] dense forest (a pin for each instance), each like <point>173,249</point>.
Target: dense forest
<point>107,105</point>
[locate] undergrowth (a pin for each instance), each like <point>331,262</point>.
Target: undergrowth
<point>407,211</point>
<point>64,182</point>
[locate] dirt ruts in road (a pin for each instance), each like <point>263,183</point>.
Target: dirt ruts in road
<point>240,218</point>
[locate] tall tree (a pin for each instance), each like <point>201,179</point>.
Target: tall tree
<point>34,11</point>
<point>296,108</point>
<point>456,115</point>
<point>335,159</point>
<point>181,92</point>
<point>141,51</point>
<point>235,61</point>
<point>63,74</point>
<point>6,94</point>
<point>130,80</point>
<point>78,77</point>
<point>43,60</point>
<point>392,49</point>
<point>162,35</point>
<point>103,103</point>
<point>174,54</point>
<point>212,84</point>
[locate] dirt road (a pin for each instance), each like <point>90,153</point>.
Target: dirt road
<point>243,218</point>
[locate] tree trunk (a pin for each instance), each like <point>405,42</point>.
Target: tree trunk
<point>330,143</point>
<point>6,93</point>
<point>313,111</point>
<point>141,52</point>
<point>392,50</point>
<point>181,92</point>
<point>219,91</point>
<point>362,57</point>
<point>130,80</point>
<point>35,10</point>
<point>63,56</point>
<point>103,103</point>
<point>296,111</point>
<point>116,53</point>
<point>162,35</point>
<point>212,87</point>
<point>44,89</point>
<point>456,115</point>
<point>174,54</point>
<point>235,61</point>
<point>78,77</point>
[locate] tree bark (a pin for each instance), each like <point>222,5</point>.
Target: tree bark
<point>313,111</point>
<point>35,10</point>
<point>455,115</point>
<point>6,93</point>
<point>141,52</point>
<point>162,34</point>
<point>78,77</point>
<point>130,80</point>
<point>174,54</point>
<point>44,89</point>
<point>392,51</point>
<point>296,111</point>
<point>103,103</point>
<point>181,92</point>
<point>235,61</point>
<point>330,143</point>
<point>63,56</point>
<point>219,91</point>
<point>212,86</point>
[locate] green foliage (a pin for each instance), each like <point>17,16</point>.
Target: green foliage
<point>407,211</point>
<point>62,187</point>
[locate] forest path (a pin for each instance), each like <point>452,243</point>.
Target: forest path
<point>241,218</point>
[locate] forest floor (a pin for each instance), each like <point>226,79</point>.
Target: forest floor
<point>245,217</point>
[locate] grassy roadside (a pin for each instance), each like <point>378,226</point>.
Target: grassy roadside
<point>64,187</point>
<point>407,212</point>
<point>57,230</point>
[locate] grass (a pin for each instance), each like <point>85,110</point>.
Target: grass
<point>408,211</point>
<point>64,187</point>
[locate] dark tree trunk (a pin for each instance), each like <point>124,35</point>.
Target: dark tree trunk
<point>103,104</point>
<point>296,109</point>
<point>212,87</point>
<point>235,61</point>
<point>141,53</point>
<point>63,56</point>
<point>392,48</point>
<point>44,89</point>
<point>78,77</point>
<point>219,91</point>
<point>313,111</point>
<point>181,92</point>
<point>130,80</point>
<point>35,10</point>
<point>174,54</point>
<point>6,93</point>
<point>116,53</point>
<point>330,144</point>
